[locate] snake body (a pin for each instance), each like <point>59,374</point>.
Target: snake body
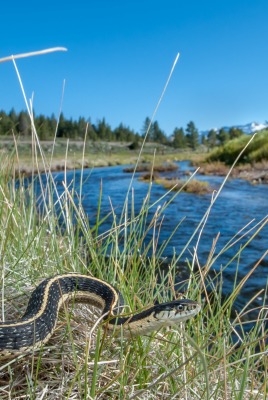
<point>39,321</point>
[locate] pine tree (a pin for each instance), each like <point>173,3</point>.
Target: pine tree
<point>235,133</point>
<point>158,135</point>
<point>147,129</point>
<point>192,135</point>
<point>212,138</point>
<point>44,128</point>
<point>24,125</point>
<point>104,131</point>
<point>223,136</point>
<point>179,139</point>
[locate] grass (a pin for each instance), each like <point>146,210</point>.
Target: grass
<point>254,173</point>
<point>201,360</point>
<point>255,153</point>
<point>67,154</point>
<point>191,186</point>
<point>166,167</point>
<point>212,356</point>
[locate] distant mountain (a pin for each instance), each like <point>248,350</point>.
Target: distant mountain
<point>249,128</point>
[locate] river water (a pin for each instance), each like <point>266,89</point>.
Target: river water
<point>239,204</point>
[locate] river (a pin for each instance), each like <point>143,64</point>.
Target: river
<point>239,204</point>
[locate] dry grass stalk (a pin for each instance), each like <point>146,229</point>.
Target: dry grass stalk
<point>32,53</point>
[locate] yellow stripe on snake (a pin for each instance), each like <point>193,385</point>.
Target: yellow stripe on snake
<point>40,319</point>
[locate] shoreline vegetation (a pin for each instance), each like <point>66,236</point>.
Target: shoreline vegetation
<point>220,354</point>
<point>64,141</point>
<point>76,154</point>
<point>154,173</point>
<point>193,186</point>
<point>254,173</point>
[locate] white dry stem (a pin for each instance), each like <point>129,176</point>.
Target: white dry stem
<point>31,54</point>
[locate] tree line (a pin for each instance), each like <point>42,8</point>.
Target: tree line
<point>19,124</point>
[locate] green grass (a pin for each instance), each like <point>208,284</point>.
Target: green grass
<point>67,154</point>
<point>257,151</point>
<point>198,360</point>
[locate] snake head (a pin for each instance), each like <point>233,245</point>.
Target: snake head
<point>176,311</point>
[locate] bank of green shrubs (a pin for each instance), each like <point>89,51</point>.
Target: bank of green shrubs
<point>257,151</point>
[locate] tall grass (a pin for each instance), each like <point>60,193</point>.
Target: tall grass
<point>82,362</point>
<point>212,356</point>
<point>256,152</point>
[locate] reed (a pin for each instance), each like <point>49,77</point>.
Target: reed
<point>213,356</point>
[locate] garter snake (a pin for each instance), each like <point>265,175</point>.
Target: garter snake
<point>37,324</point>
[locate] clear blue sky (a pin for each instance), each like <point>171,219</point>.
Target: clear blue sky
<point>120,54</point>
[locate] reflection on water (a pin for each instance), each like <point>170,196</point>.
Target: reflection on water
<point>238,205</point>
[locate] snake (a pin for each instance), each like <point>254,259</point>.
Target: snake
<point>38,323</point>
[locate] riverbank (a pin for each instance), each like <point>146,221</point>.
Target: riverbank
<point>81,357</point>
<point>255,173</point>
<point>76,154</point>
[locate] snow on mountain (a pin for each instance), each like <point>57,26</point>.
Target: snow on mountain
<point>249,128</point>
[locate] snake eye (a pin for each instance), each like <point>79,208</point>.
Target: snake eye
<point>180,307</point>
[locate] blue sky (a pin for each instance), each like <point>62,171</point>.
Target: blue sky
<point>120,54</point>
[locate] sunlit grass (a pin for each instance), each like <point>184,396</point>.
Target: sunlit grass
<point>256,152</point>
<point>78,362</point>
<point>190,186</point>
<point>213,356</point>
<point>96,154</point>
